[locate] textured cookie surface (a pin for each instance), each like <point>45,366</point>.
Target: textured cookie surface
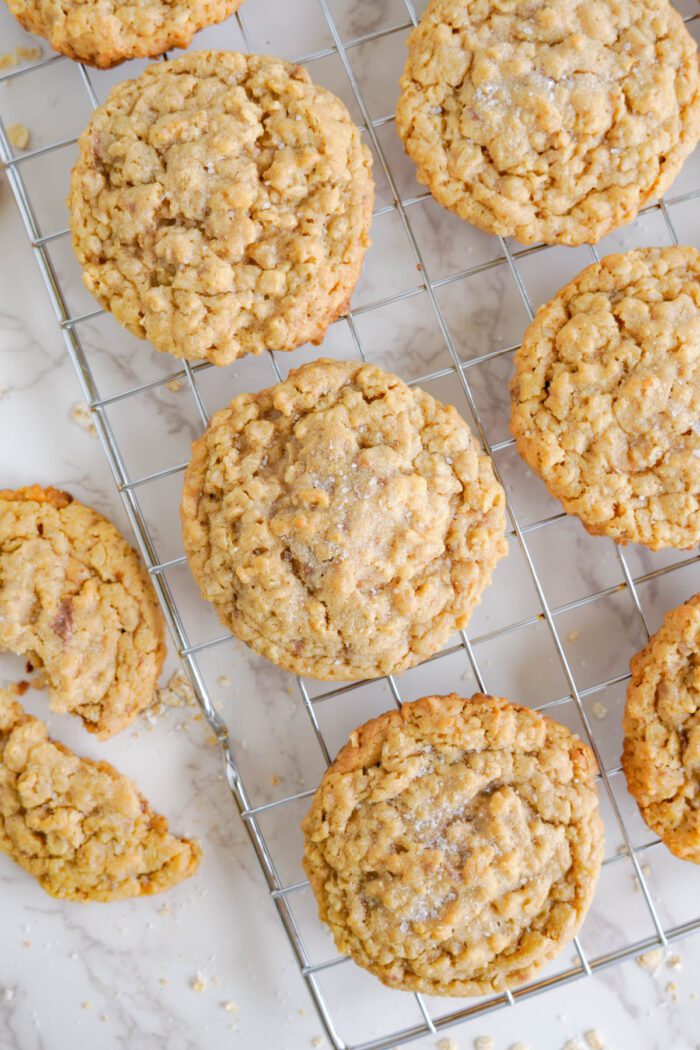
<point>661,757</point>
<point>549,120</point>
<point>342,523</point>
<point>75,598</point>
<point>221,205</point>
<point>454,846</point>
<point>606,397</point>
<point>103,33</point>
<point>79,826</point>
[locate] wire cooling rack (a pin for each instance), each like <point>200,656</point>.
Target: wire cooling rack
<point>445,306</point>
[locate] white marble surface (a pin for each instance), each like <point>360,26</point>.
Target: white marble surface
<point>120,976</point>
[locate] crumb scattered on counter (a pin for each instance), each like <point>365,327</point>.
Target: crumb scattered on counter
<point>81,415</point>
<point>519,1046</point>
<point>651,960</point>
<point>317,1041</point>
<point>164,981</point>
<point>223,681</point>
<point>672,990</point>
<point>177,693</point>
<point>18,135</point>
<point>7,61</point>
<point>675,962</point>
<point>28,54</point>
<point>573,635</point>
<point>572,1044</point>
<point>599,710</point>
<point>198,983</point>
<point>484,1042</point>
<point>87,1004</point>
<point>232,1008</point>
<point>595,1039</point>
<point>174,384</point>
<point>447,1044</point>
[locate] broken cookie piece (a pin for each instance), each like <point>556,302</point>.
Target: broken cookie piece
<point>75,599</point>
<point>80,827</point>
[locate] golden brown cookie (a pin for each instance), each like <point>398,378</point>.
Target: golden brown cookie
<point>78,826</point>
<point>104,33</point>
<point>661,756</point>
<point>454,845</point>
<point>342,523</point>
<point>221,205</point>
<point>549,121</point>
<point>606,397</point>
<point>75,599</point>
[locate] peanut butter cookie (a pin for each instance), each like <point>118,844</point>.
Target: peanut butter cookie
<point>454,845</point>
<point>661,756</point>
<point>78,826</point>
<point>606,397</point>
<point>103,33</point>
<point>221,205</point>
<point>75,598</point>
<point>342,523</point>
<point>549,120</point>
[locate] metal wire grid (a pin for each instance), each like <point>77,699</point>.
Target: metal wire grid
<point>128,487</point>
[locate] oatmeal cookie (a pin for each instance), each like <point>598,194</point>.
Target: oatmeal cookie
<point>549,120</point>
<point>606,397</point>
<point>221,205</point>
<point>453,846</point>
<point>342,523</point>
<point>103,33</point>
<point>661,756</point>
<point>75,598</point>
<point>78,826</point>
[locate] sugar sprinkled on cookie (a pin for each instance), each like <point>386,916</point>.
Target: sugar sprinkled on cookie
<point>342,523</point>
<point>453,846</point>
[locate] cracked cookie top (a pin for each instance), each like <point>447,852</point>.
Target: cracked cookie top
<point>454,845</point>
<point>80,827</point>
<point>606,397</point>
<point>549,120</point>
<point>221,205</point>
<point>661,756</point>
<point>342,523</point>
<point>75,599</point>
<point>104,33</point>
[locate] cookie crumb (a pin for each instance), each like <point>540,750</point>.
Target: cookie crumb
<point>519,1046</point>
<point>484,1042</point>
<point>447,1044</point>
<point>21,687</point>
<point>164,981</point>
<point>651,960</point>
<point>18,135</point>
<point>223,681</point>
<point>82,417</point>
<point>7,61</point>
<point>572,1044</point>
<point>317,1040</point>
<point>174,384</point>
<point>232,1008</point>
<point>28,54</point>
<point>573,635</point>
<point>599,710</point>
<point>595,1039</point>
<point>178,692</point>
<point>675,963</point>
<point>87,1004</point>
<point>198,983</point>
<point>104,1017</point>
<point>672,989</point>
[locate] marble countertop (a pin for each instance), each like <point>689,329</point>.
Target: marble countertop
<point>208,964</point>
